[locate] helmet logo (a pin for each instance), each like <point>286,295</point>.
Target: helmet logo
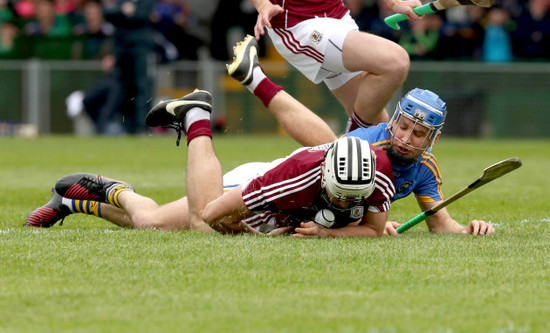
<point>419,114</point>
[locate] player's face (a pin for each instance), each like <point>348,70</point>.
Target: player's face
<point>341,204</point>
<point>410,139</point>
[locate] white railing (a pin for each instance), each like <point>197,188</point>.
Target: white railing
<point>491,95</point>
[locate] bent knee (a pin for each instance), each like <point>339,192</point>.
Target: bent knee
<point>399,64</point>
<point>403,64</point>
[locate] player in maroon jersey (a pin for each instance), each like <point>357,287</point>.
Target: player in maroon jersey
<point>320,39</point>
<point>416,125</point>
<point>348,177</point>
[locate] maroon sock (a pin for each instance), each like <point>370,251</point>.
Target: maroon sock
<point>266,90</point>
<point>356,122</point>
<point>199,128</point>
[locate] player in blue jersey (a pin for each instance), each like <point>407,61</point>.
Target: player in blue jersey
<point>407,138</point>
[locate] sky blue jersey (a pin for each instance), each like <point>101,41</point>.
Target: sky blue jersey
<point>422,178</point>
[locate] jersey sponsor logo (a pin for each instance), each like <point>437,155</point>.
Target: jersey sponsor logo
<point>404,187</point>
<point>357,212</point>
<point>316,36</point>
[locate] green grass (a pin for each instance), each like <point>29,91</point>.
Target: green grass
<point>91,276</point>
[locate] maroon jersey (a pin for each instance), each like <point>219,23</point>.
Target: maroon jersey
<point>290,192</point>
<point>297,11</point>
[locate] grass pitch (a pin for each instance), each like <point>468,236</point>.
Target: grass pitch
<point>91,276</point>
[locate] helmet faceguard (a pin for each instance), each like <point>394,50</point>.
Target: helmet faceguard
<point>422,107</point>
<point>348,172</point>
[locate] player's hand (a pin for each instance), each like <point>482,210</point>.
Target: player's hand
<point>310,229</point>
<point>478,227</point>
<point>281,231</point>
<point>264,18</point>
<point>405,7</point>
<point>389,229</point>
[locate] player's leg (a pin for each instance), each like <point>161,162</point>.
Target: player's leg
<point>385,64</point>
<point>78,193</point>
<point>296,119</point>
<point>110,199</point>
<point>191,114</point>
<point>144,213</point>
<point>203,179</point>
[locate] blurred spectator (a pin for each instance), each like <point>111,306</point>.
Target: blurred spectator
<point>462,33</point>
<point>8,44</point>
<point>47,22</point>
<point>8,31</point>
<point>65,7</point>
<point>100,102</point>
<point>6,12</point>
<point>25,9</point>
<point>531,39</point>
<point>497,46</point>
<point>420,41</point>
<point>363,14</point>
<point>47,35</point>
<point>231,14</point>
<point>135,58</point>
<point>171,18</point>
<point>369,16</point>
<point>97,33</point>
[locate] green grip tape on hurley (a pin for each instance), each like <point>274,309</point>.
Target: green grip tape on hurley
<point>414,221</point>
<point>392,20</point>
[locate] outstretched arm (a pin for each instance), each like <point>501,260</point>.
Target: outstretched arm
<point>442,222</point>
<point>371,226</point>
<point>266,11</point>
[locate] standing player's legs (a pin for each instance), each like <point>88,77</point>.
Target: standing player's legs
<point>385,65</point>
<point>362,70</point>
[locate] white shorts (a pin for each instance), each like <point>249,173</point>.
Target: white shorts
<point>243,173</point>
<point>314,47</point>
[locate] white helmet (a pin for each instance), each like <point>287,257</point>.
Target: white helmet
<point>349,170</point>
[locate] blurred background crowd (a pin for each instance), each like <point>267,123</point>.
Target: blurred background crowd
<point>131,37</point>
<point>177,29</point>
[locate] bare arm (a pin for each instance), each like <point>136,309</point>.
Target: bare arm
<point>266,11</point>
<point>372,225</point>
<point>225,213</point>
<point>442,222</point>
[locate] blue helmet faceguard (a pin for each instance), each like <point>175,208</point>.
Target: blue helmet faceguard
<point>422,107</point>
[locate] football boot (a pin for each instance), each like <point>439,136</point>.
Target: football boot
<point>244,61</point>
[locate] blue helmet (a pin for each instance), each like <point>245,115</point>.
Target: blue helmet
<point>424,107</point>
<point>421,107</point>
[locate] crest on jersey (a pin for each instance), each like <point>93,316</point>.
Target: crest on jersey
<point>404,187</point>
<point>357,212</point>
<point>316,36</point>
